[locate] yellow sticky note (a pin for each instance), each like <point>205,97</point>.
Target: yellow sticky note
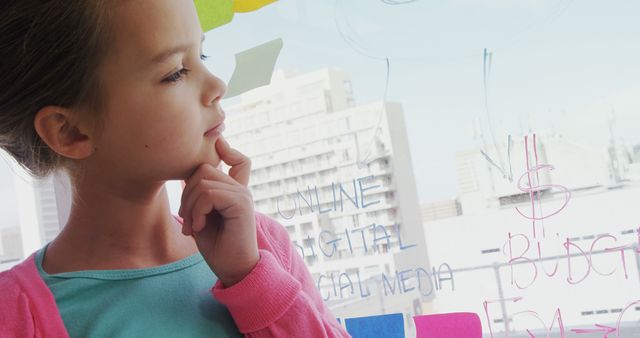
<point>243,6</point>
<point>214,13</point>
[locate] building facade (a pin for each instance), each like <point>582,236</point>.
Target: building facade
<point>339,177</point>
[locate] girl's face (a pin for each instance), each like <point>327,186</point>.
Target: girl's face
<point>159,97</point>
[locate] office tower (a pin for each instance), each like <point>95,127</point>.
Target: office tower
<point>43,206</point>
<point>339,177</point>
<point>577,200</point>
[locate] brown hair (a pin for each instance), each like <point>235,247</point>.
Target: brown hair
<point>50,51</point>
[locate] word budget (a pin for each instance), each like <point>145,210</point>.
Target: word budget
<point>526,262</point>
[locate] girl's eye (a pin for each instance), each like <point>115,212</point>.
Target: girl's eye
<point>177,76</point>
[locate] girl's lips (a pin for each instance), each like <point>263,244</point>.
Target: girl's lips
<point>215,131</point>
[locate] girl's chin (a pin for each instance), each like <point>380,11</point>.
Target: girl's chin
<point>215,162</point>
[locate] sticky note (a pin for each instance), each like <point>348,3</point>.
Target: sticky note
<point>254,67</point>
<point>383,326</point>
<point>243,6</point>
<point>214,13</point>
<point>447,325</point>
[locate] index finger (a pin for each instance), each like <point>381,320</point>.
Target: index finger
<point>240,164</point>
<point>208,172</point>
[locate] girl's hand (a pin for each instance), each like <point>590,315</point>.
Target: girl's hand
<point>218,212</point>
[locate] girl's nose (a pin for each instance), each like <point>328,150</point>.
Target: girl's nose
<point>214,89</point>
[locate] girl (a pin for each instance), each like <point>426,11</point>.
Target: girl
<point>115,94</point>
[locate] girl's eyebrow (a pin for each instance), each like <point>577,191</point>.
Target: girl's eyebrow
<point>172,51</point>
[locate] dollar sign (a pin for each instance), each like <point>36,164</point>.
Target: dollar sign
<point>534,190</point>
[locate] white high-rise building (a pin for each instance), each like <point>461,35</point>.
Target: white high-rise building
<point>37,212</point>
<point>43,206</point>
<point>339,177</point>
<point>483,184</point>
<point>11,251</point>
<point>584,198</point>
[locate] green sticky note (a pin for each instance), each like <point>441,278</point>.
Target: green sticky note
<point>214,13</point>
<point>254,67</point>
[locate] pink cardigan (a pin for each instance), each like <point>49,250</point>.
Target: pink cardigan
<point>277,299</point>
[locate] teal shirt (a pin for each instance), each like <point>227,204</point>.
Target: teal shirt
<point>171,300</point>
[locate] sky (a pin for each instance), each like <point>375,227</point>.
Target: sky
<point>560,65</point>
<point>556,65</point>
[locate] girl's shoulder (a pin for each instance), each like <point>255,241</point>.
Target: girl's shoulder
<point>9,286</point>
<point>22,280</point>
<point>12,280</point>
<point>27,306</point>
<point>14,299</point>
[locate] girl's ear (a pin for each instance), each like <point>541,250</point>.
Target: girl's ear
<point>58,130</point>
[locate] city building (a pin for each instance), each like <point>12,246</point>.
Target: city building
<point>43,207</point>
<point>339,177</point>
<point>584,199</point>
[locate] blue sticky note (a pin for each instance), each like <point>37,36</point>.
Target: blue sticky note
<point>383,326</point>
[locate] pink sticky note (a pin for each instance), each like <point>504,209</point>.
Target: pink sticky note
<point>448,325</point>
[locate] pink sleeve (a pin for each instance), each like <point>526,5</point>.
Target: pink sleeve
<point>15,312</point>
<point>278,297</point>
